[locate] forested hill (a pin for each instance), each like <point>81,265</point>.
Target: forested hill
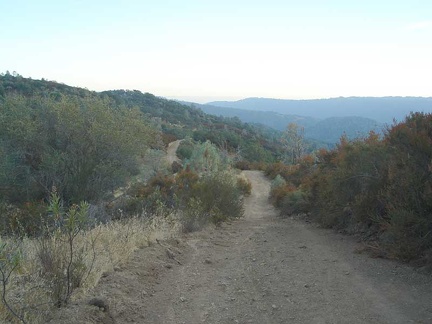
<point>383,109</point>
<point>328,130</point>
<point>28,87</point>
<point>269,118</point>
<point>331,129</point>
<point>176,121</point>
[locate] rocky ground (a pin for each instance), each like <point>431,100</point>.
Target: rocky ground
<point>258,269</point>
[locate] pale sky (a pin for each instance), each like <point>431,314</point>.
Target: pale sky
<point>202,50</point>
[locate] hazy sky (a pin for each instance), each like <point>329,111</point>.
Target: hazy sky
<point>204,50</point>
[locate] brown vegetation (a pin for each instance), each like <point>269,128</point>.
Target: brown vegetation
<point>378,188</point>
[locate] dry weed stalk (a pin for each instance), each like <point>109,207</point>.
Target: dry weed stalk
<point>28,293</point>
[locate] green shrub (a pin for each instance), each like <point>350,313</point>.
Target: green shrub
<point>219,196</point>
<point>194,216</point>
<point>156,197</point>
<point>185,149</point>
<point>278,194</point>
<point>278,181</point>
<point>83,146</point>
<point>185,182</point>
<point>207,158</point>
<point>295,202</point>
<point>406,235</point>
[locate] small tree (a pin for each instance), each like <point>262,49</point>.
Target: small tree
<point>293,143</point>
<point>61,254</point>
<point>206,157</point>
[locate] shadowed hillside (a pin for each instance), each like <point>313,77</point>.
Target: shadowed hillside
<point>175,120</point>
<point>383,109</point>
<point>328,130</point>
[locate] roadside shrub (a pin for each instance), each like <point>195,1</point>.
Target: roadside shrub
<point>131,204</point>
<point>194,216</point>
<point>185,182</point>
<point>261,166</point>
<point>176,167</point>
<point>301,172</point>
<point>220,197</point>
<point>247,165</point>
<point>61,253</point>
<point>406,235</point>
<point>168,138</point>
<point>350,176</point>
<point>278,181</point>
<point>243,165</point>
<point>378,185</point>
<point>244,185</point>
<point>408,188</point>
<point>278,194</point>
<point>166,192</point>
<point>164,186</point>
<point>294,202</point>
<point>25,220</point>
<point>158,196</point>
<point>274,169</point>
<point>185,149</point>
<point>151,165</point>
<point>207,158</point>
<point>278,189</point>
<point>138,189</point>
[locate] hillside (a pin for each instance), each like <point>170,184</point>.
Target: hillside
<point>330,129</point>
<point>383,109</point>
<point>319,131</point>
<point>269,118</point>
<point>175,120</point>
<point>85,182</point>
<point>84,238</point>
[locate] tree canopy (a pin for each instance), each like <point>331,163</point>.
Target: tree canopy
<point>82,146</point>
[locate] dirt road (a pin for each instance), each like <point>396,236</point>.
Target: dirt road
<point>171,152</point>
<point>262,269</point>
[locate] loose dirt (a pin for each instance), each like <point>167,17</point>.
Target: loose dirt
<point>171,155</point>
<point>258,269</point>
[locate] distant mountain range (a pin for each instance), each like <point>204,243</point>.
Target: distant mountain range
<point>382,109</point>
<point>326,131</point>
<point>269,118</point>
<point>324,120</point>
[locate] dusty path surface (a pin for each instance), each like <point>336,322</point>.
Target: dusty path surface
<point>171,155</point>
<point>261,269</point>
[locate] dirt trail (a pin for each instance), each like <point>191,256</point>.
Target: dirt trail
<point>261,269</point>
<point>171,152</point>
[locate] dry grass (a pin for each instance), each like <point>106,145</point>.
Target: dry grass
<point>104,248</point>
<point>244,184</point>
